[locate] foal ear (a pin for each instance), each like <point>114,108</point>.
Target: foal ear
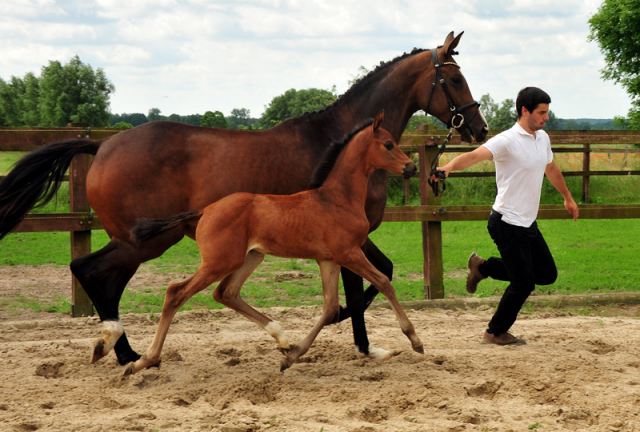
<point>378,120</point>
<point>451,43</point>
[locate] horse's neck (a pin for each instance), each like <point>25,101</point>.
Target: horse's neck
<point>391,89</point>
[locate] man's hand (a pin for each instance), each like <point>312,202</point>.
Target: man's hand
<point>572,208</point>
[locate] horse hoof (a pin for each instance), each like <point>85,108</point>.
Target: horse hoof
<point>419,349</point>
<point>283,366</point>
<point>379,353</point>
<point>129,370</point>
<point>98,351</point>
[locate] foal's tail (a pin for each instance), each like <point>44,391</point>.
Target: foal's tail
<point>146,229</point>
<point>35,179</point>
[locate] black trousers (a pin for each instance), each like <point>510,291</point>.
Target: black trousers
<point>525,262</point>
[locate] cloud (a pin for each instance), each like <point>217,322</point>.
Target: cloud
<point>189,56</point>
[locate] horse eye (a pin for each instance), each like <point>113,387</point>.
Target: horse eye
<point>388,145</point>
<point>457,79</point>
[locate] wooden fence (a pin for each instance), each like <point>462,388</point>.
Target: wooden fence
<point>80,221</point>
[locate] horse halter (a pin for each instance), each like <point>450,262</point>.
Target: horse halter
<point>456,114</point>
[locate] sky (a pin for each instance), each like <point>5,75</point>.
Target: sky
<point>191,56</point>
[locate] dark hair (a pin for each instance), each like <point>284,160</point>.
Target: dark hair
<point>330,157</point>
<point>530,98</point>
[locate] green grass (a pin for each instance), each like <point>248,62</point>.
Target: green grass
<point>593,256</point>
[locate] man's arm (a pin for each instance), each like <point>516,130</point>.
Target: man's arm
<point>557,180</point>
<point>466,160</point>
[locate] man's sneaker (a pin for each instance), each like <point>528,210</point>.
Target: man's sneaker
<point>503,339</point>
<point>474,275</point>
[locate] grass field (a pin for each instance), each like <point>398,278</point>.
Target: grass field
<point>593,256</point>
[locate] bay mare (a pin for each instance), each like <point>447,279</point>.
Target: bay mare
<point>161,169</point>
<point>327,224</point>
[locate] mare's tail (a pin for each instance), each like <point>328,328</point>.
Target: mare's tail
<point>146,229</point>
<point>35,179</point>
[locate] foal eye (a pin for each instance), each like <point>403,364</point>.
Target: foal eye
<point>388,145</point>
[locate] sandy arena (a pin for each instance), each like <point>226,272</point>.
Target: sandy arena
<point>220,372</point>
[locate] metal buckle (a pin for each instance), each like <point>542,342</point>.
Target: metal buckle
<point>453,124</point>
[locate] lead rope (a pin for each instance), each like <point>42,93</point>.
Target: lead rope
<point>441,175</point>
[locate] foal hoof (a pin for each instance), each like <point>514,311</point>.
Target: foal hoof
<point>419,349</point>
<point>129,370</point>
<point>285,351</point>
<point>98,351</point>
<point>283,366</point>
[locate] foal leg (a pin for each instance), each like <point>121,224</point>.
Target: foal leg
<point>176,296</point>
<point>358,263</point>
<point>330,272</point>
<point>228,294</point>
<point>355,301</point>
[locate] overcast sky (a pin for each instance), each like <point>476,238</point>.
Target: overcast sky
<point>191,56</point>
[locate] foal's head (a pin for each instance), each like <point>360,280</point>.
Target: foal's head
<point>383,151</point>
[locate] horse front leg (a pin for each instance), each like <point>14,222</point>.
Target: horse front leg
<point>382,263</point>
<point>330,272</point>
<point>358,263</point>
<point>228,294</point>
<point>355,302</point>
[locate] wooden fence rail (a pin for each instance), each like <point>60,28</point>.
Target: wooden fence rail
<point>80,221</point>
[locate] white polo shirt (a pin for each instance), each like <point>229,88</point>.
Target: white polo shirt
<point>520,160</point>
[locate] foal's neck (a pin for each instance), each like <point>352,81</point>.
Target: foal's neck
<point>349,178</point>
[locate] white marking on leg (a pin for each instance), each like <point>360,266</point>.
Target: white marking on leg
<point>374,353</point>
<point>111,332</point>
<point>275,330</point>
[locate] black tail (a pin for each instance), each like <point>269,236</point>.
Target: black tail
<point>36,178</point>
<point>146,229</point>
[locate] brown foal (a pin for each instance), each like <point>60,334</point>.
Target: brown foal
<point>327,224</point>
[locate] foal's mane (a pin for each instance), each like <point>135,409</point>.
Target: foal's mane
<point>330,156</point>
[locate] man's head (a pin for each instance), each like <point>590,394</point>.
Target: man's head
<point>532,105</point>
<point>530,98</point>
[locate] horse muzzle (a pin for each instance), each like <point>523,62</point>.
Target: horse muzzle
<point>409,170</point>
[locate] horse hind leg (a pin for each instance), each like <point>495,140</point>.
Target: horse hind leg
<point>176,296</point>
<point>104,275</point>
<point>228,294</point>
<point>330,273</point>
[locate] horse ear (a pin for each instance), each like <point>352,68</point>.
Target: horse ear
<point>378,120</point>
<point>451,43</point>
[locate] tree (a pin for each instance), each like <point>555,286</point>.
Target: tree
<point>154,115</point>
<point>421,119</point>
<point>615,28</point>
<point>293,103</point>
<point>214,119</point>
<point>122,125</point>
<point>504,116</point>
<point>11,101</point>
<point>74,93</point>
<point>135,119</point>
<point>553,123</point>
<point>239,117</point>
<point>488,106</point>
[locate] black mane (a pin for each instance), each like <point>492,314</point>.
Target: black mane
<point>363,83</point>
<point>330,156</point>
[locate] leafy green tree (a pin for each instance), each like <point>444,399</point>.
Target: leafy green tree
<point>239,117</point>
<point>488,106</point>
<point>11,101</point>
<point>362,72</point>
<point>30,101</point>
<point>504,116</point>
<point>74,93</point>
<point>135,119</point>
<point>421,119</point>
<point>154,115</point>
<point>615,28</point>
<point>293,103</point>
<point>122,125</point>
<point>214,119</point>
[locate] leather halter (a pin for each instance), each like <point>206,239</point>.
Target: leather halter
<point>456,114</point>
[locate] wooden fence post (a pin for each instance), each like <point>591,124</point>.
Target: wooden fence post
<point>586,166</point>
<point>431,231</point>
<point>81,239</point>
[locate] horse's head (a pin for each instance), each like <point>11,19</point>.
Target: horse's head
<point>384,152</point>
<point>447,95</point>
